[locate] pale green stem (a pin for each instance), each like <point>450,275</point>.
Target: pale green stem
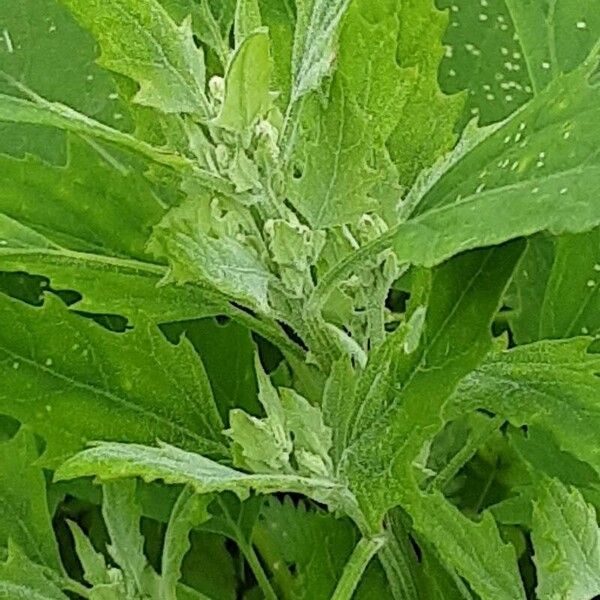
<point>355,567</point>
<point>464,454</point>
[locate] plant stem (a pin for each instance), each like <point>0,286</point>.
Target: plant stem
<point>261,577</point>
<point>464,454</point>
<point>395,557</point>
<point>247,549</point>
<point>356,565</point>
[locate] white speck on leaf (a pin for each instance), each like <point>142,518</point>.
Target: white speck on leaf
<point>8,41</point>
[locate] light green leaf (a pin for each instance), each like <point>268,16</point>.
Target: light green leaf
<point>312,438</point>
<point>247,84</point>
<point>139,40</point>
<point>314,42</point>
<point>24,514</point>
<point>71,381</point>
<point>291,439</point>
<point>21,579</point>
<point>174,466</point>
<point>566,541</point>
<point>247,19</point>
<point>201,239</point>
<point>339,388</point>
<point>336,140</point>
<point>262,445</point>
<point>462,297</point>
<point>549,384</point>
<point>189,511</point>
<point>95,570</point>
<point>475,550</point>
<point>122,515</point>
<point>341,135</point>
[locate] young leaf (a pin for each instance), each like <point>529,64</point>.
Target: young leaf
<point>314,41</point>
<point>122,515</point>
<point>210,251</point>
<point>25,518</point>
<point>174,466</point>
<point>164,60</point>
<point>247,19</point>
<point>95,570</point>
<point>247,84</point>
<point>79,382</point>
<point>566,541</point>
<point>189,511</point>
<point>341,135</point>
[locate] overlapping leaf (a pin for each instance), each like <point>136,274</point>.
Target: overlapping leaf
<point>72,381</point>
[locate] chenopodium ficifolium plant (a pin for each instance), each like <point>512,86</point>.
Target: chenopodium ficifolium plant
<point>400,200</point>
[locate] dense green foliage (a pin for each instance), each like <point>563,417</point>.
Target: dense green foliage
<point>299,299</point>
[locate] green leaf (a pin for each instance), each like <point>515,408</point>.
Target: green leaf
<point>247,84</point>
<point>566,541</point>
<point>205,249</point>
<point>247,19</point>
<point>189,511</point>
<point>280,19</point>
<point>164,60</point>
<point>24,517</point>
<point>122,515</point>
<point>46,40</point>
<point>485,57</point>
<point>95,570</point>
<point>527,176</point>
<point>36,110</point>
<point>89,205</point>
<point>425,125</point>
<point>461,297</point>
<point>22,579</point>
<point>557,288</point>
<point>506,50</point>
<point>78,382</point>
<point>316,546</point>
<point>567,33</point>
<point>314,43</point>
<point>340,135</point>
<point>340,386</point>
<point>475,550</point>
<point>174,466</point>
<point>549,384</point>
